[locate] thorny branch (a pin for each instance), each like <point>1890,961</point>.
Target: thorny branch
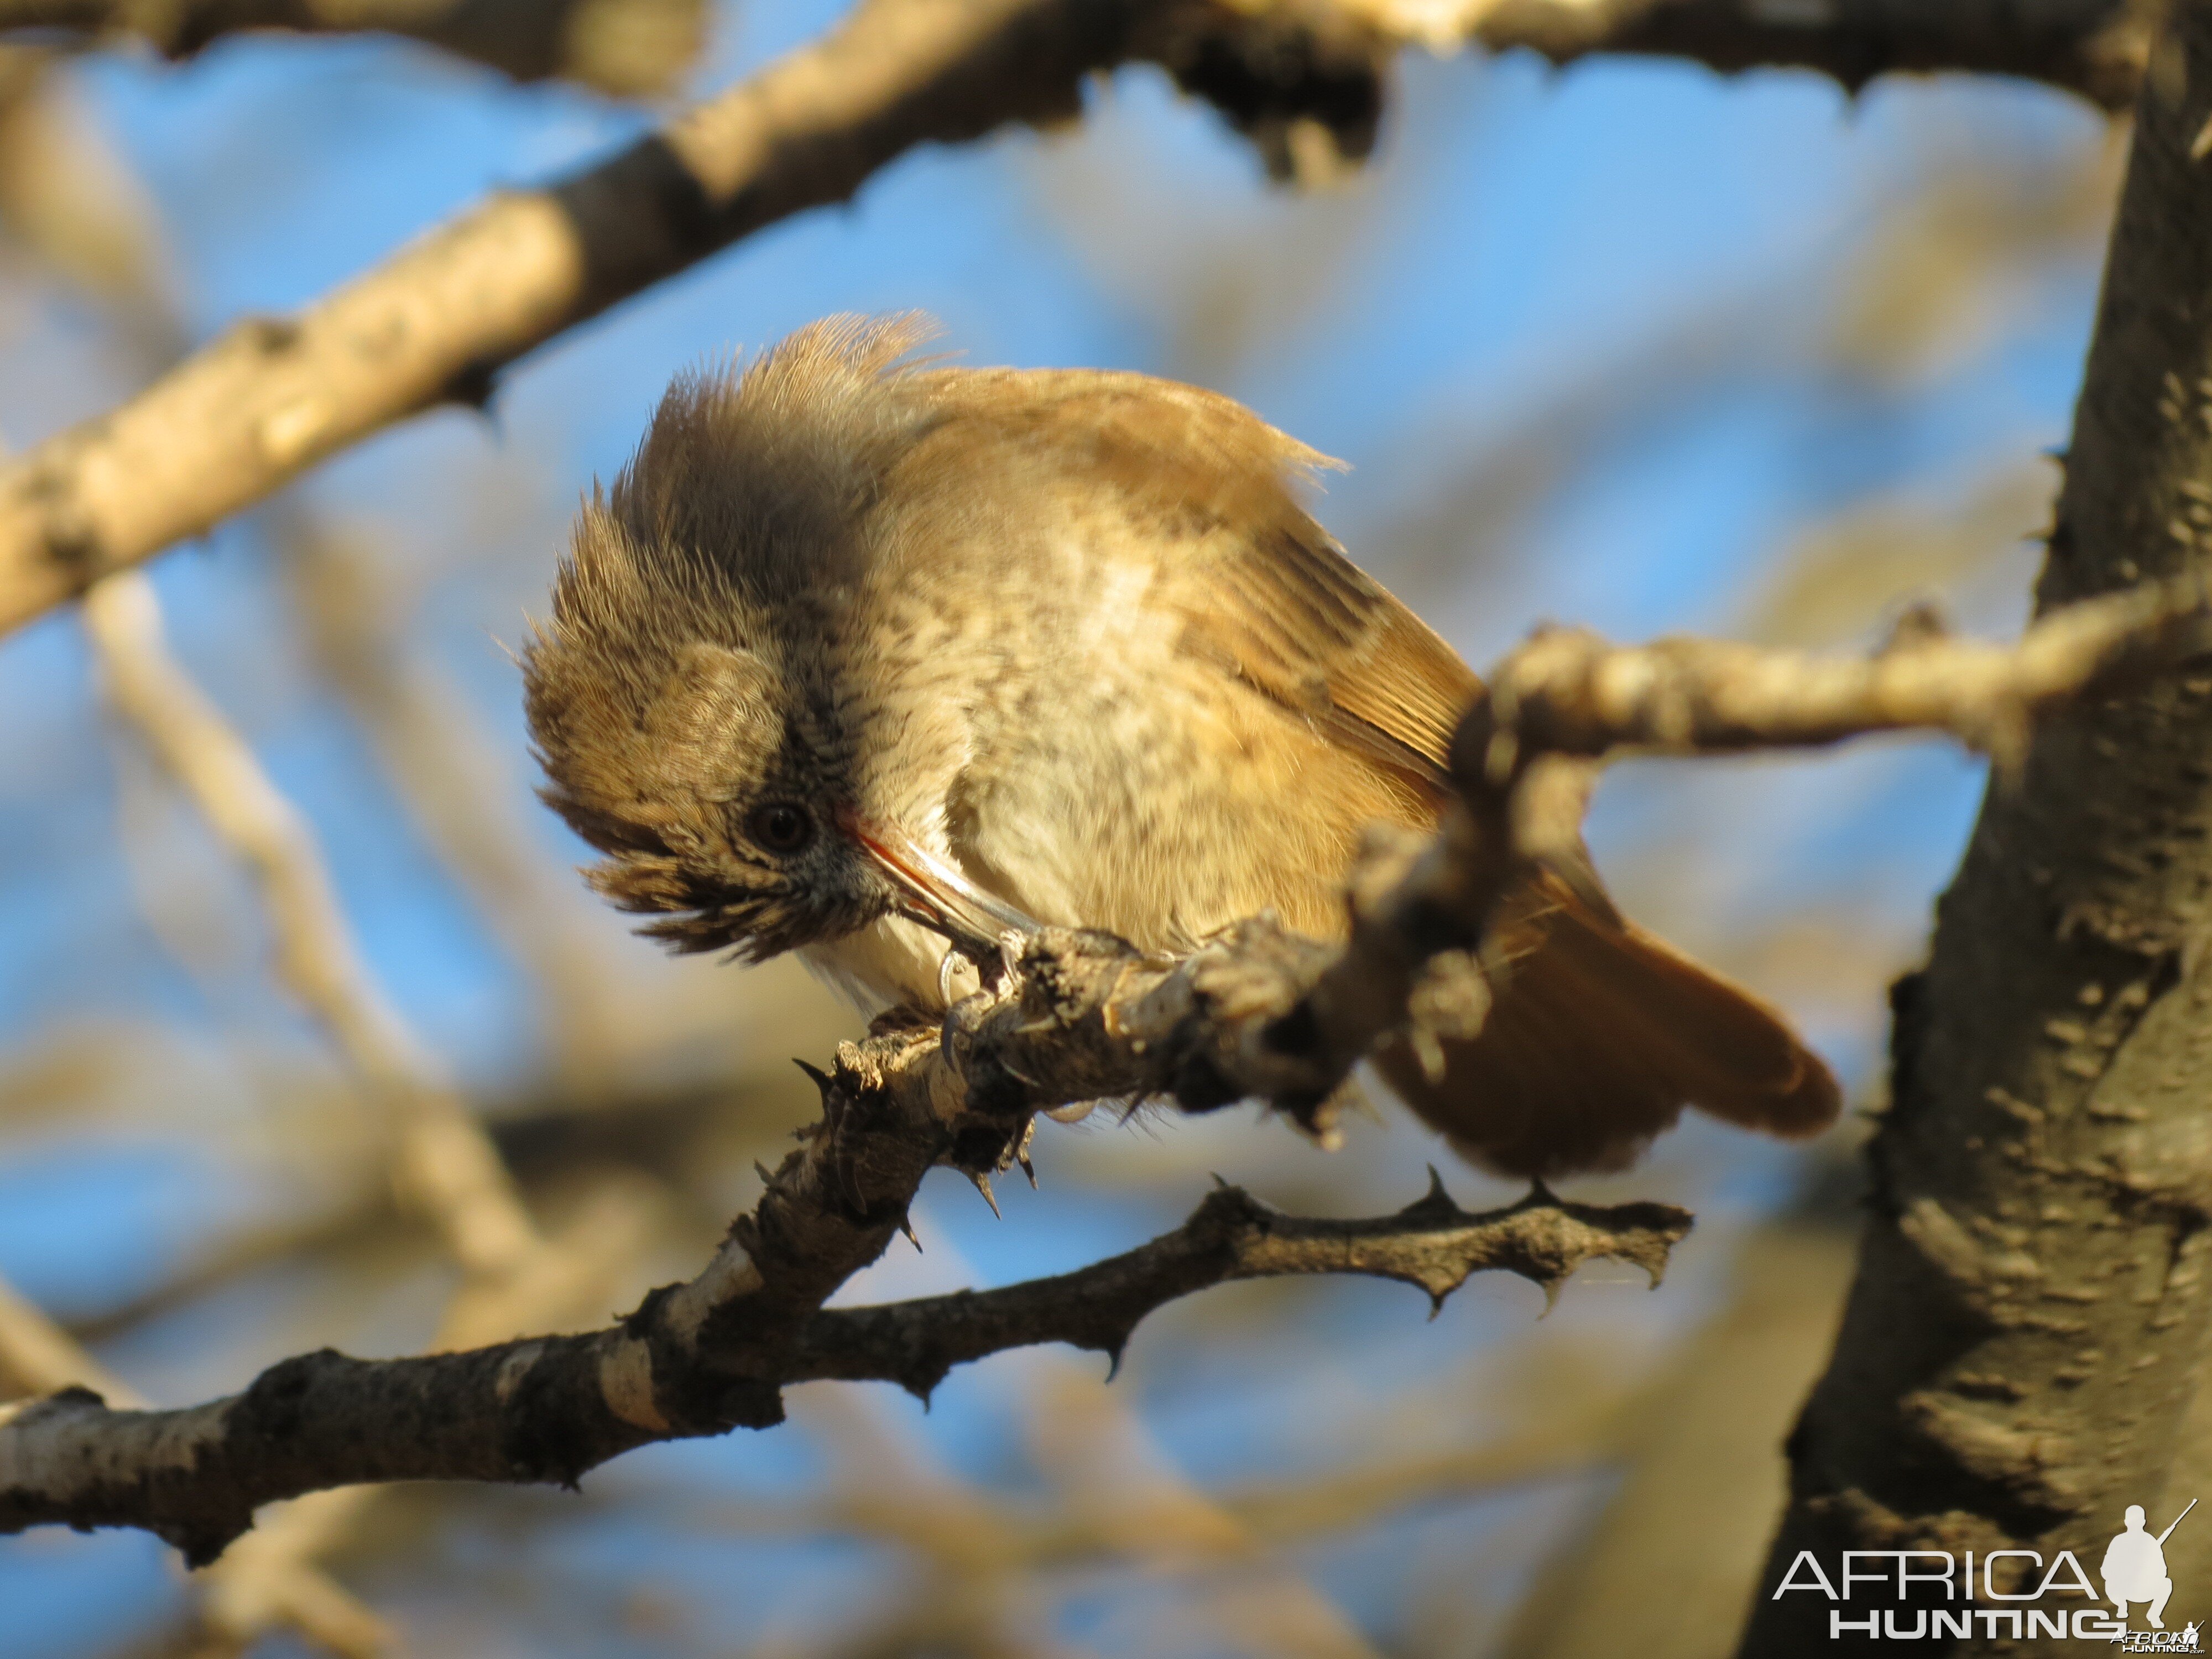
<point>548,1408</point>
<point>1431,1243</point>
<point>438,321</point>
<point>1073,1017</point>
<point>1562,701</point>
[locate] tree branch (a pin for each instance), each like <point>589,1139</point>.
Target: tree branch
<point>514,1278</point>
<point>36,1355</point>
<point>1567,693</point>
<point>630,48</point>
<point>1431,1243</point>
<point>2096,48</point>
<point>548,1408</point>
<point>1519,759</point>
<point>437,322</point>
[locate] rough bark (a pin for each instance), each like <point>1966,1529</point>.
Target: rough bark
<point>2026,1326</point>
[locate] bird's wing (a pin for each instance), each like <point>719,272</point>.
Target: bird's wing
<point>1260,590</point>
<point>1287,613</point>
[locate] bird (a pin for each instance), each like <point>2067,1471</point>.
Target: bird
<point>872,657</point>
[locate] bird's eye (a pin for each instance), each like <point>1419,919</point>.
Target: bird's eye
<point>781,826</point>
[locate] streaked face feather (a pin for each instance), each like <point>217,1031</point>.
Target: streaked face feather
<point>697,671</point>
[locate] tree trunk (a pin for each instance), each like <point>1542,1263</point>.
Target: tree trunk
<point>2025,1333</point>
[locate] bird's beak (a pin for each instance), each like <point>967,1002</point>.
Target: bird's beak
<point>932,892</point>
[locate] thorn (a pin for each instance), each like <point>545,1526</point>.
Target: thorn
<point>1550,1284</point>
<point>472,388</point>
<point>1918,625</point>
<point>983,1186</point>
<point>820,1077</point>
<point>1120,1345</point>
<point>763,1172</point>
<point>905,1226</point>
<point>1029,1169</point>
<point>1434,1204</point>
<point>1436,1302</point>
<point>1219,1185</point>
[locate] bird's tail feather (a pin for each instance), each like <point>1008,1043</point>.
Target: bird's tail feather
<point>1601,1035</point>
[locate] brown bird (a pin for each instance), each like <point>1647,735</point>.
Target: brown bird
<point>859,656</point>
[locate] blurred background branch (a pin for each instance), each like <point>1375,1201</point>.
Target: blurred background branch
<point>626,48</point>
<point>236,421</point>
<point>444,1163</point>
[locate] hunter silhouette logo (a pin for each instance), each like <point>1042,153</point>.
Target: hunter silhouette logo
<point>2135,1567</point>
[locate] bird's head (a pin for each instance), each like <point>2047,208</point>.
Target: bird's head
<point>710,712</point>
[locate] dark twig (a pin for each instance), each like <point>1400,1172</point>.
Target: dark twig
<point>1431,1243</point>
<point>704,1357</point>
